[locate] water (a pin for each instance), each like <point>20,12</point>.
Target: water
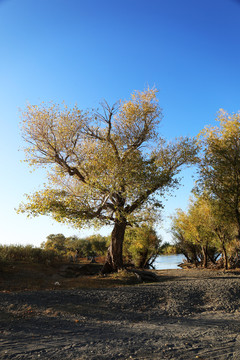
<point>165,262</point>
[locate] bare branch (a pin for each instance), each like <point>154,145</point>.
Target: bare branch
<point>71,170</point>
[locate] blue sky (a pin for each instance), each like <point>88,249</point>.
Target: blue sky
<point>85,51</point>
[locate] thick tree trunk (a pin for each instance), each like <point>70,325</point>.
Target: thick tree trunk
<point>114,260</point>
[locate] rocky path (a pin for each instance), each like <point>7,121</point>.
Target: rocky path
<point>188,315</point>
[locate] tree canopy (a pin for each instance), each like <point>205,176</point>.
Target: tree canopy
<point>105,167</point>
<point>219,172</point>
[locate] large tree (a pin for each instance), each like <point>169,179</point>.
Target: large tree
<point>219,173</point>
<point>108,167</point>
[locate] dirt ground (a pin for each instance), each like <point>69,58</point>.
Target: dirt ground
<point>188,314</point>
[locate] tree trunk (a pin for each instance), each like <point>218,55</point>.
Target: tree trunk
<point>114,260</point>
<point>225,257</point>
<point>205,256</point>
<point>238,222</point>
<point>143,259</point>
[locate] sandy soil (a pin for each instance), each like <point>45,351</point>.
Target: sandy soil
<point>189,314</point>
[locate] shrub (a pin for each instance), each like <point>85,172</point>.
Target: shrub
<point>27,253</point>
<point>141,246</point>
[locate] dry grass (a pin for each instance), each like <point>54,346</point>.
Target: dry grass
<point>18,276</point>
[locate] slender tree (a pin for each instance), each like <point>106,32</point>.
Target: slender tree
<point>108,167</point>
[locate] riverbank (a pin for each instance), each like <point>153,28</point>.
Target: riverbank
<point>189,314</point>
<point>169,262</point>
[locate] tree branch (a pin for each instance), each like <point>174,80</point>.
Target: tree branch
<point>71,170</point>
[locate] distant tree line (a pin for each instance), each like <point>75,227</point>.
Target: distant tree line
<point>95,245</point>
<point>28,254</point>
<point>142,246</point>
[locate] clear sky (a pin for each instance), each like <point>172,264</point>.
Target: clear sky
<point>83,51</point>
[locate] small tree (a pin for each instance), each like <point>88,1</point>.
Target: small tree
<point>224,228</point>
<point>181,233</point>
<point>207,227</point>
<point>194,230</point>
<point>55,242</point>
<point>99,244</point>
<point>105,168</point>
<point>141,246</point>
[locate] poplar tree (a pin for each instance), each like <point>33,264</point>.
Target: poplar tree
<point>219,169</point>
<point>105,167</point>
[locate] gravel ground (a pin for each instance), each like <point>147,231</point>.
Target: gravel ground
<point>189,314</point>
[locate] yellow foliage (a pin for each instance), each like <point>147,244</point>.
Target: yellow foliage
<point>102,166</point>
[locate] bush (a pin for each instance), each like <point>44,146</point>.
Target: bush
<point>95,245</point>
<point>141,246</point>
<point>27,253</point>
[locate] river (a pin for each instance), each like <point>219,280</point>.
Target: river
<point>164,262</point>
